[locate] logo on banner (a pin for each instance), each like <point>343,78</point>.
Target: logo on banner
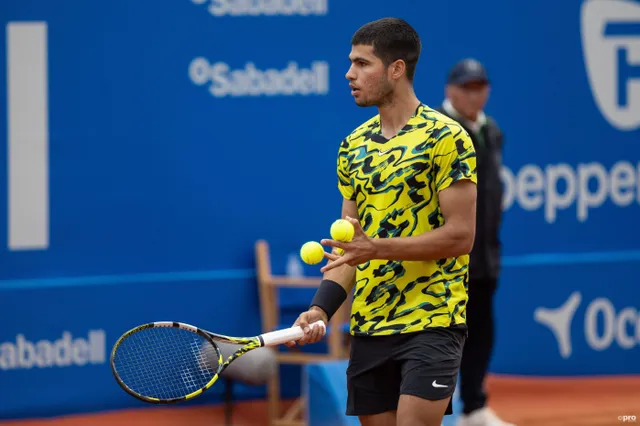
<point>611,46</point>
<point>554,188</point>
<point>65,351</point>
<point>250,81</point>
<point>559,322</point>
<point>602,324</point>
<point>266,7</point>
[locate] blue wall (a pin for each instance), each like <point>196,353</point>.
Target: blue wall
<point>160,185</point>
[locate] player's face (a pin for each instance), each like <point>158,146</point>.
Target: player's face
<point>469,99</point>
<point>368,79</point>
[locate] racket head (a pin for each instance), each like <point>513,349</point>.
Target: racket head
<point>165,362</point>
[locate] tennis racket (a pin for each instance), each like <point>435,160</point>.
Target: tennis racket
<point>167,362</point>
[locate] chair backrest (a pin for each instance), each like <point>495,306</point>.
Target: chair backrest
<point>279,293</point>
<point>268,302</point>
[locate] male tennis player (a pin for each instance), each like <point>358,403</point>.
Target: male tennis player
<point>408,180</point>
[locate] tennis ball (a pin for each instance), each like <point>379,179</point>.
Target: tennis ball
<point>339,251</point>
<point>342,230</point>
<point>312,252</point>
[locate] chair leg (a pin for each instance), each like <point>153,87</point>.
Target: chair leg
<point>273,398</point>
<point>294,414</point>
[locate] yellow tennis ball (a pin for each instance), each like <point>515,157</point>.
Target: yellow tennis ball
<point>339,251</point>
<point>342,230</point>
<point>312,252</point>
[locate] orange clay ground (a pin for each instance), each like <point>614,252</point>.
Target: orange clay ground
<point>524,401</point>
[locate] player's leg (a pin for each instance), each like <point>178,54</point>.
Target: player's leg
<point>373,381</point>
<point>384,419</point>
<point>477,355</point>
<point>417,411</point>
<point>477,350</point>
<point>430,363</point>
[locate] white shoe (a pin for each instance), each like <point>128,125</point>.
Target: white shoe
<point>482,417</point>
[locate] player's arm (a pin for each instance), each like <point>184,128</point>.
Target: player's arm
<point>345,276</point>
<point>337,282</point>
<point>454,174</point>
<point>332,292</point>
<point>454,238</point>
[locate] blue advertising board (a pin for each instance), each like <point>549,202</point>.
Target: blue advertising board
<point>149,146</point>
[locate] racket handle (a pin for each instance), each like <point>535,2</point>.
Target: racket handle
<point>279,337</point>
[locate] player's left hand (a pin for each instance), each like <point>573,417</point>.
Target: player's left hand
<point>360,249</point>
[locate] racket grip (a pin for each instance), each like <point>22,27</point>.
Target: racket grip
<point>279,337</point>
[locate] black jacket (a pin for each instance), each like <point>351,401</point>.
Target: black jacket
<point>485,255</point>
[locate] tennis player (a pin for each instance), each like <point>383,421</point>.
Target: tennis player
<point>408,179</point>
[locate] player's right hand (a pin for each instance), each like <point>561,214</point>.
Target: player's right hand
<point>311,335</point>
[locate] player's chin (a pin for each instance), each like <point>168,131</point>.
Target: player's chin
<point>361,102</point>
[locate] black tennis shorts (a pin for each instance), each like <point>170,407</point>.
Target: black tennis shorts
<point>423,364</point>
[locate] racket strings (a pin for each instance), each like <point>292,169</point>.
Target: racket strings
<point>166,363</point>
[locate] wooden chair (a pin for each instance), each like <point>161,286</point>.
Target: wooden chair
<point>269,285</point>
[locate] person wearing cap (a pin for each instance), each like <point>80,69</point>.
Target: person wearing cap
<point>466,95</point>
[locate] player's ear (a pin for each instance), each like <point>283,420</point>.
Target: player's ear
<point>397,69</point>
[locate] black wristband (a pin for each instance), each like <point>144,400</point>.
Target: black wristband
<point>329,297</point>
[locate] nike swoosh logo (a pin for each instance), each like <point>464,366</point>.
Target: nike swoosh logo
<point>436,385</point>
<point>381,153</point>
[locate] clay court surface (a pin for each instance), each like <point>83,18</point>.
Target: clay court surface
<point>525,401</point>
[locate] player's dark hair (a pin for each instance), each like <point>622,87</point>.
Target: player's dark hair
<point>392,39</point>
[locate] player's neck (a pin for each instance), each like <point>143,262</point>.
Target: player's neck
<point>395,114</point>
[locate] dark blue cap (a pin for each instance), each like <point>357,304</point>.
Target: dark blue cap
<point>468,71</point>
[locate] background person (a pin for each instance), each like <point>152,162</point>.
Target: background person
<point>466,95</point>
